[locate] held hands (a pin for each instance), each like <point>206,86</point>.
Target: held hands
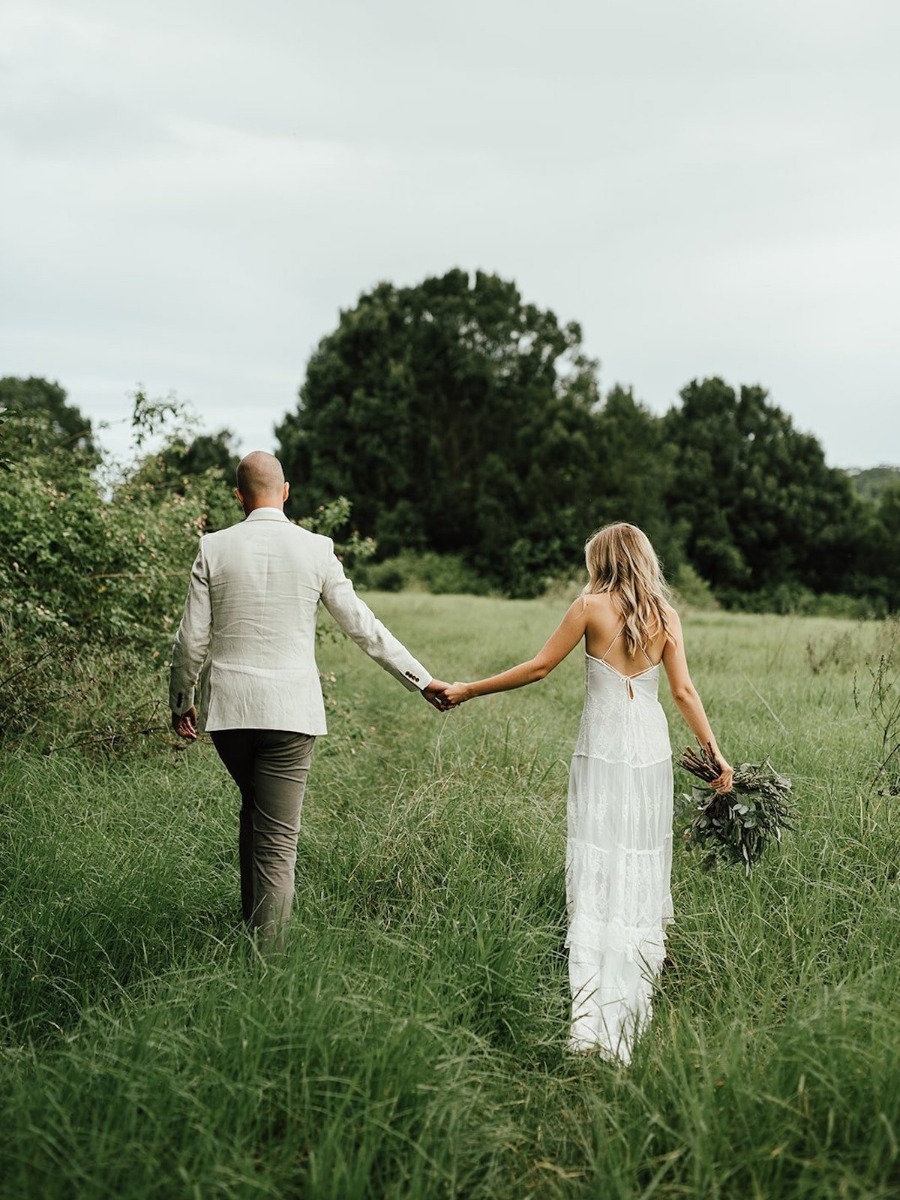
<point>456,694</point>
<point>444,696</point>
<point>434,694</point>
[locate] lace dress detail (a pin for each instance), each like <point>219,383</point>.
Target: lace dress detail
<point>618,858</point>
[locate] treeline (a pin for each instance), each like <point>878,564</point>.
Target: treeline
<point>461,421</point>
<point>465,432</point>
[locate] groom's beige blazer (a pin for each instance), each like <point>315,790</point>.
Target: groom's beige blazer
<point>248,631</point>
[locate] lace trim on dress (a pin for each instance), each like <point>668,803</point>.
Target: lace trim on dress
<point>622,761</point>
<point>638,943</point>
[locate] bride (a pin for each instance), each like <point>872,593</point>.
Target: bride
<point>619,848</point>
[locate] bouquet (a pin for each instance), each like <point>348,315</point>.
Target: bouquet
<point>738,825</point>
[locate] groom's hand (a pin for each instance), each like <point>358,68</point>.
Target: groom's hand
<point>185,725</point>
<point>434,694</point>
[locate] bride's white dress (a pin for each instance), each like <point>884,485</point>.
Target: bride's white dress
<point>619,858</point>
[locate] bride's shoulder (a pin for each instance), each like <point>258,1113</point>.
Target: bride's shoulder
<point>599,601</point>
<point>601,614</point>
<point>673,620</point>
<point>599,606</point>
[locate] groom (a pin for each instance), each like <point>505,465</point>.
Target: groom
<point>248,636</point>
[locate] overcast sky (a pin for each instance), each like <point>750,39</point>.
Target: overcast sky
<point>192,191</point>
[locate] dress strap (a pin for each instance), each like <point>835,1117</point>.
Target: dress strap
<point>647,656</point>
<point>613,642</point>
<point>619,633</point>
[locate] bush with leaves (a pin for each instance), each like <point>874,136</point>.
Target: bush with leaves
<point>109,568</point>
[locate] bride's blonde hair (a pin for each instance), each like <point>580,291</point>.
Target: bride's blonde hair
<point>620,560</point>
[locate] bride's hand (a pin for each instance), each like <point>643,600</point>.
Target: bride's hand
<point>457,693</point>
<point>725,781</point>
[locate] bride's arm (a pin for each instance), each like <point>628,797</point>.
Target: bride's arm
<point>568,634</point>
<point>687,698</point>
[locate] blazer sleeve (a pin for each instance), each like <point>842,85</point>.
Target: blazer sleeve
<point>359,623</point>
<point>192,639</point>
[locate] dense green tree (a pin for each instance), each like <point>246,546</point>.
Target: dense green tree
<point>455,417</point>
<point>45,407</point>
<point>205,452</point>
<point>460,420</point>
<point>634,472</point>
<point>758,503</point>
<point>881,569</point>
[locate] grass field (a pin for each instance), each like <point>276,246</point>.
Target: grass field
<point>410,1042</point>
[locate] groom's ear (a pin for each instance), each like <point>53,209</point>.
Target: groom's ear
<point>286,492</point>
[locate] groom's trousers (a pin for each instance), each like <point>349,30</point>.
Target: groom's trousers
<point>270,768</point>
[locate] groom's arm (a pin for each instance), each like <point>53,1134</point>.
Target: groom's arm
<point>361,625</point>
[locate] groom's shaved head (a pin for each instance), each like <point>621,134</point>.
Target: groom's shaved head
<point>259,476</point>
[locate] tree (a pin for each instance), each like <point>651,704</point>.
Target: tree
<point>889,519</point>
<point>205,452</point>
<point>880,568</point>
<point>39,401</point>
<point>759,505</point>
<point>635,472</point>
<point>185,463</point>
<point>454,417</point>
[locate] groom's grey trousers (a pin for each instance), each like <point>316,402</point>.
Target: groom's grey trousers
<point>270,767</point>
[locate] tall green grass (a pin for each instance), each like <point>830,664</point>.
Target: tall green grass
<point>410,1040</point>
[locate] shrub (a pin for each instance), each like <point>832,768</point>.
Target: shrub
<point>690,590</point>
<point>425,571</point>
<point>795,600</point>
<point>109,569</point>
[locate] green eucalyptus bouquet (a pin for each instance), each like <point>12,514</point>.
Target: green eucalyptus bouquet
<point>735,826</point>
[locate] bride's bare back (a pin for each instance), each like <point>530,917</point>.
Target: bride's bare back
<point>602,627</point>
<point>626,587</point>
